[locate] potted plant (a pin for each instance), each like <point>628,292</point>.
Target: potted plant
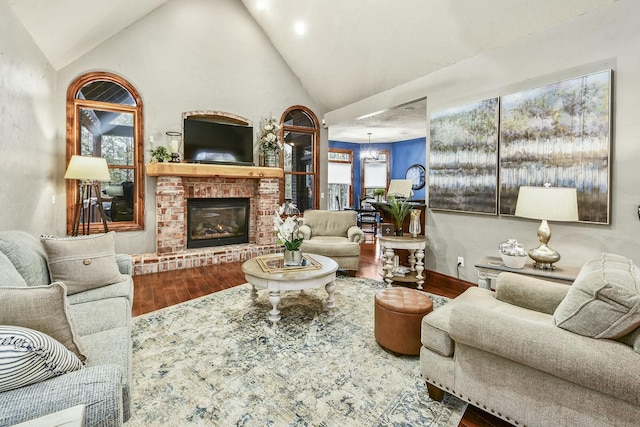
<point>398,209</point>
<point>378,193</point>
<point>270,143</point>
<point>287,233</point>
<point>160,154</point>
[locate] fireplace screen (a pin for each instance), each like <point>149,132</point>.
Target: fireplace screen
<point>217,222</point>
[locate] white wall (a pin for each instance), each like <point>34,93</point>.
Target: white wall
<point>29,164</point>
<point>190,55</point>
<point>605,38</point>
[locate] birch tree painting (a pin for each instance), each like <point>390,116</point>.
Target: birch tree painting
<point>559,133</point>
<point>463,158</point>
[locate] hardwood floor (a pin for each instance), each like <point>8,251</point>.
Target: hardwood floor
<point>159,290</point>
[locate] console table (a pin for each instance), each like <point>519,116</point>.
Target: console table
<point>490,267</point>
<point>415,246</point>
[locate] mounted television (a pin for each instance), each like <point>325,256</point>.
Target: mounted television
<point>221,143</point>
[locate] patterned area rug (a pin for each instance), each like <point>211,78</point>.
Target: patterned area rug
<point>216,361</point>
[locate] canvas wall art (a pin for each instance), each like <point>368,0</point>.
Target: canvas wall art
<point>463,158</point>
<point>560,134</point>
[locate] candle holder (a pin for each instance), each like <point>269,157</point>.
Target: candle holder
<point>174,141</point>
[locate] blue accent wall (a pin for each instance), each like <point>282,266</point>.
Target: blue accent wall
<point>403,154</point>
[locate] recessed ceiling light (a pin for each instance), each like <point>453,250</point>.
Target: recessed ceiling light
<point>300,28</point>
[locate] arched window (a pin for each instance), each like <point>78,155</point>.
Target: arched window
<point>104,119</point>
<point>301,136</point>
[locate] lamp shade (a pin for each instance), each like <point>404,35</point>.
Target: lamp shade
<point>88,168</point>
<point>550,203</point>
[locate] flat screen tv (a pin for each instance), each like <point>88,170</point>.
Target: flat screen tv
<point>222,143</point>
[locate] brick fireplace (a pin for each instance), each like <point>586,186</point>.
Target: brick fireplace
<point>178,182</point>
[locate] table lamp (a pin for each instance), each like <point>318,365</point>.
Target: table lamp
<point>547,204</point>
<point>88,170</point>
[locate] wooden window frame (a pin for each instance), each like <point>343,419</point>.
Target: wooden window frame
<point>349,153</point>
<point>73,138</point>
<point>315,134</point>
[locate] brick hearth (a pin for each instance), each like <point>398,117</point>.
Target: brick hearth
<point>172,192</point>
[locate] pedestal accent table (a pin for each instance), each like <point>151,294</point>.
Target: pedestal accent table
<point>415,246</point>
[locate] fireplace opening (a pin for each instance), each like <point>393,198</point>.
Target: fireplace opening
<point>217,222</point>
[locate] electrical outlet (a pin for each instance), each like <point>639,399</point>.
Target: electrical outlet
<point>461,261</point>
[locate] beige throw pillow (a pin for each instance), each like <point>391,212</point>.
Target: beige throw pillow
<point>44,309</point>
<point>604,300</point>
<point>83,262</point>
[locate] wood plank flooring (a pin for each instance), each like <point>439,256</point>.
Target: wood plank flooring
<point>159,290</point>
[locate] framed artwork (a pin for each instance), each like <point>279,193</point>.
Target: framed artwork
<point>463,158</point>
<point>561,134</point>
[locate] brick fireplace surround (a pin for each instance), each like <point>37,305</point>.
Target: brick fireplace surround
<point>176,182</point>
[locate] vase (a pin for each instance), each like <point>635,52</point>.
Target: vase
<point>271,159</point>
<point>399,231</point>
<point>292,258</point>
<point>414,225</point>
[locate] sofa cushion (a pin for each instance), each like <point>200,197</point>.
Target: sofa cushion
<point>329,223</point>
<point>83,262</point>
<point>9,276</point>
<point>26,255</point>
<point>330,246</point>
<point>43,308</point>
<point>28,356</point>
<point>604,300</point>
<point>435,325</point>
<point>632,340</point>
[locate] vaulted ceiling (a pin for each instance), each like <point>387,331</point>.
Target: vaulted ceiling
<point>349,50</point>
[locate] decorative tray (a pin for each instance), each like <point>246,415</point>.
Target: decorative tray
<point>275,264</point>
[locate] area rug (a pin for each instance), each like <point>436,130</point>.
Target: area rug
<point>217,361</point>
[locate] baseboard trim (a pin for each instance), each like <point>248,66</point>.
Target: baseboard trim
<point>439,280</point>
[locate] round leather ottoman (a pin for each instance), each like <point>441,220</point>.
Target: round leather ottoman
<point>397,319</point>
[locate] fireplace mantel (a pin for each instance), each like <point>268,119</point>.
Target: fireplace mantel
<point>199,170</point>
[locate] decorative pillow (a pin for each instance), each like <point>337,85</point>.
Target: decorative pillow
<point>43,308</point>
<point>83,262</point>
<point>26,255</point>
<point>9,276</point>
<point>604,300</point>
<point>28,357</point>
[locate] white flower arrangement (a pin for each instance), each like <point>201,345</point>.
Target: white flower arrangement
<point>270,135</point>
<point>287,229</point>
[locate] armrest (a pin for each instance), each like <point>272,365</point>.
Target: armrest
<point>97,387</point>
<point>547,348</point>
<point>355,234</point>
<point>529,292</point>
<point>304,231</point>
<point>125,263</point>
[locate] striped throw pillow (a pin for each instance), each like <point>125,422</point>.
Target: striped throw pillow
<point>28,356</point>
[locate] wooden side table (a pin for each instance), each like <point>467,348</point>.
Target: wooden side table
<point>490,267</point>
<point>415,246</point>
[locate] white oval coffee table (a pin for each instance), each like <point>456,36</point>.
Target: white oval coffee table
<point>267,272</point>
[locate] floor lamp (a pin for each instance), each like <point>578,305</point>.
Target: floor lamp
<point>88,170</point>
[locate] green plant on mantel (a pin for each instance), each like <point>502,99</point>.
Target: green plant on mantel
<point>160,154</point>
<point>398,209</point>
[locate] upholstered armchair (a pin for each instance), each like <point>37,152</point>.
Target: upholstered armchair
<point>539,353</point>
<point>334,234</point>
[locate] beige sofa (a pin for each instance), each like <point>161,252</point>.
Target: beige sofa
<point>334,234</point>
<point>507,352</point>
